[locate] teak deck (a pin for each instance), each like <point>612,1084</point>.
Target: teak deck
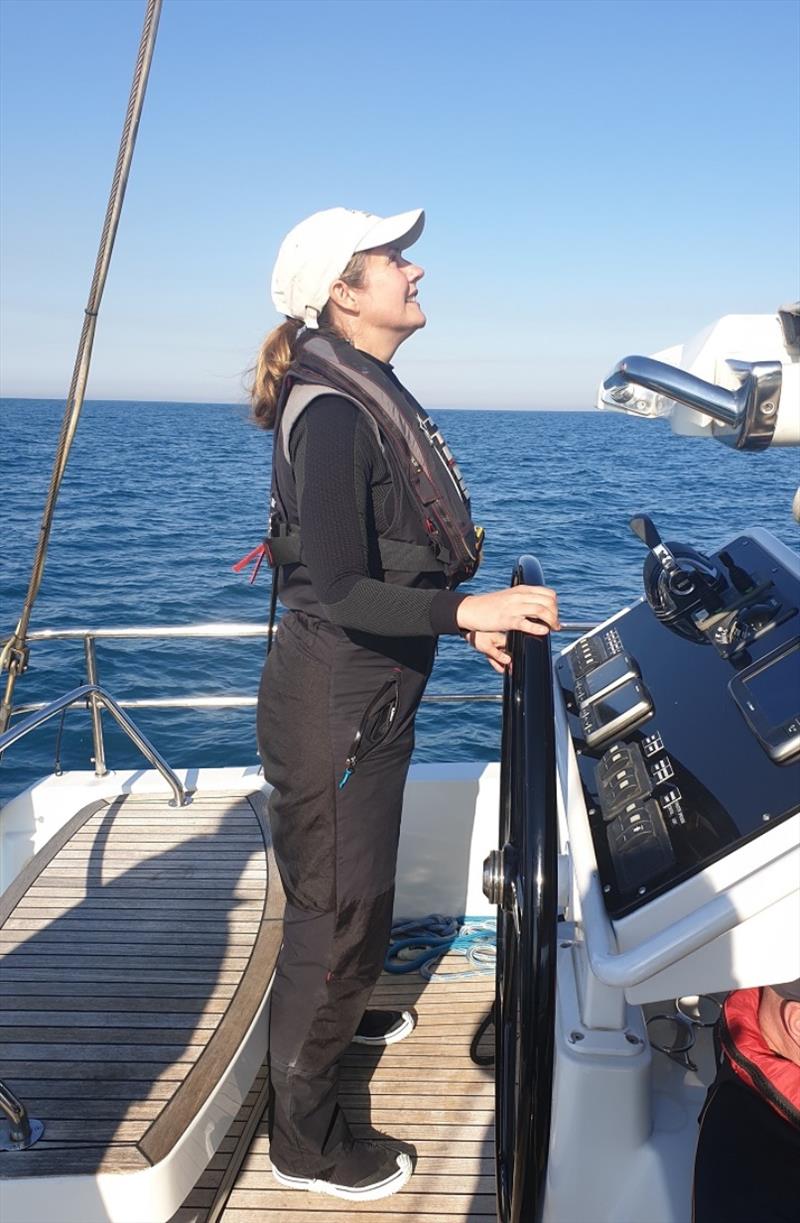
<point>424,1091</point>
<point>136,948</point>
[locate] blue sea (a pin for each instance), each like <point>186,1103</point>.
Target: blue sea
<point>160,499</point>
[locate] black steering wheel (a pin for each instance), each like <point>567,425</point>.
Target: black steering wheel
<point>521,878</point>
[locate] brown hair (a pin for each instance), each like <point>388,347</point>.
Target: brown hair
<point>277,351</point>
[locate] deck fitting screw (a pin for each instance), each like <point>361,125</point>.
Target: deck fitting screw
<point>766,817</point>
<point>642,891</point>
<point>574,1037</point>
<point>632,1038</point>
<point>606,887</point>
<point>768,408</point>
<point>592,811</point>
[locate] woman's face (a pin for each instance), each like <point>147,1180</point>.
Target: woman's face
<point>387,302</point>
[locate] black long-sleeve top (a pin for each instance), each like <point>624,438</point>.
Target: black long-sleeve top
<point>346,499</point>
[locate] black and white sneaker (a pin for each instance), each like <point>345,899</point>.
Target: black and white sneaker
<point>367,1171</point>
<point>384,1027</point>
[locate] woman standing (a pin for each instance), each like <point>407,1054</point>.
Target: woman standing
<point>370,532</point>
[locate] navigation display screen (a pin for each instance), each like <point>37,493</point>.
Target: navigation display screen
<point>617,669</point>
<point>776,689</point>
<point>617,703</point>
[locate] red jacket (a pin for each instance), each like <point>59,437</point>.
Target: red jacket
<point>774,1077</point>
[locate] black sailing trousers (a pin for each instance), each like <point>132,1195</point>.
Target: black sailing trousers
<point>336,849</point>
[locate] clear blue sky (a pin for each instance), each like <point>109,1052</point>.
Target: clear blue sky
<point>600,178</point>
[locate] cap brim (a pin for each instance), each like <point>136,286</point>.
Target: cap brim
<point>401,231</point>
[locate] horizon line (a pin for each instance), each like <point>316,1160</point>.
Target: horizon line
<point>229,403</point>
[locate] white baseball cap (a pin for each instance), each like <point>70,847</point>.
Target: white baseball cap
<point>316,252</point>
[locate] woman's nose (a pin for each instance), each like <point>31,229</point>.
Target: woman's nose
<point>414,273</point>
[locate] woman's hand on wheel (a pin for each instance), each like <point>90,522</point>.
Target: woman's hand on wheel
<point>493,646</point>
<point>528,609</point>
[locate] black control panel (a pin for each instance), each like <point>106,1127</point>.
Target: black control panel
<point>685,718</point>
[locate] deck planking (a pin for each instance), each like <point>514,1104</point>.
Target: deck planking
<point>424,1091</point>
<point>75,1027</point>
<point>134,951</point>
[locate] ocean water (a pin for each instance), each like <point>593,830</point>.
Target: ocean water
<point>159,500</point>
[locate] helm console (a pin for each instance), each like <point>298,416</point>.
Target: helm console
<point>684,719</point>
<point>686,727</point>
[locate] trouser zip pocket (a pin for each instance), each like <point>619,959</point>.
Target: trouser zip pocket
<point>376,722</point>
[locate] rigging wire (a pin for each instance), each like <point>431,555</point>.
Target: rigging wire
<point>14,652</point>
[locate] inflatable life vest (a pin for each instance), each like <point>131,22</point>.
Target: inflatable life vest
<point>420,461</point>
<point>773,1077</point>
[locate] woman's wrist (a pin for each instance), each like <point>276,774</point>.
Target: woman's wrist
<point>462,614</point>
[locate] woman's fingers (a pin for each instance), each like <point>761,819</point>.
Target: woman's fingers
<point>493,646</point>
<point>538,602</point>
<point>517,607</point>
<point>534,628</point>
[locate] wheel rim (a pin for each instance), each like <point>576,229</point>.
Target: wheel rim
<point>523,876</point>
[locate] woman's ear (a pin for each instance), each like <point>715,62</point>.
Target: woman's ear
<point>342,295</point>
<point>791,1017</point>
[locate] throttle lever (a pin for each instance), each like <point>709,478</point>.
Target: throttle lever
<point>679,582</point>
<point>645,529</point>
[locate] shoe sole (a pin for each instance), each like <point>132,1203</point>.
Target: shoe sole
<point>391,1184</point>
<point>400,1033</point>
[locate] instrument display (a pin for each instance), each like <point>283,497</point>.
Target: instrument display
<point>602,678</point>
<point>768,694</point>
<point>696,751</point>
<point>612,713</point>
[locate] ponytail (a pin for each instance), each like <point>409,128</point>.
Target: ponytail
<point>274,358</point>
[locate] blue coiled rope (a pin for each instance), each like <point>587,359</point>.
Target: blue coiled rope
<point>418,945</point>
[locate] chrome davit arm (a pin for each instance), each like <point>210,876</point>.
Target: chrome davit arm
<point>745,418</point>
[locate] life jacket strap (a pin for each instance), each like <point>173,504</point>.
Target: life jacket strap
<point>283,547</point>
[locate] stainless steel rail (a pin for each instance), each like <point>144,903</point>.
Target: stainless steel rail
<point>95,697</point>
<point>18,1131</point>
<point>250,702</point>
<point>223,630</point>
<point>212,629</point>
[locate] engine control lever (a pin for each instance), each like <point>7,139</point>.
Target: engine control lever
<point>741,579</point>
<point>680,583</point>
<point>643,526</point>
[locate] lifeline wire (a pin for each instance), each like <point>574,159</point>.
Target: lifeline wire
<point>14,651</point>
